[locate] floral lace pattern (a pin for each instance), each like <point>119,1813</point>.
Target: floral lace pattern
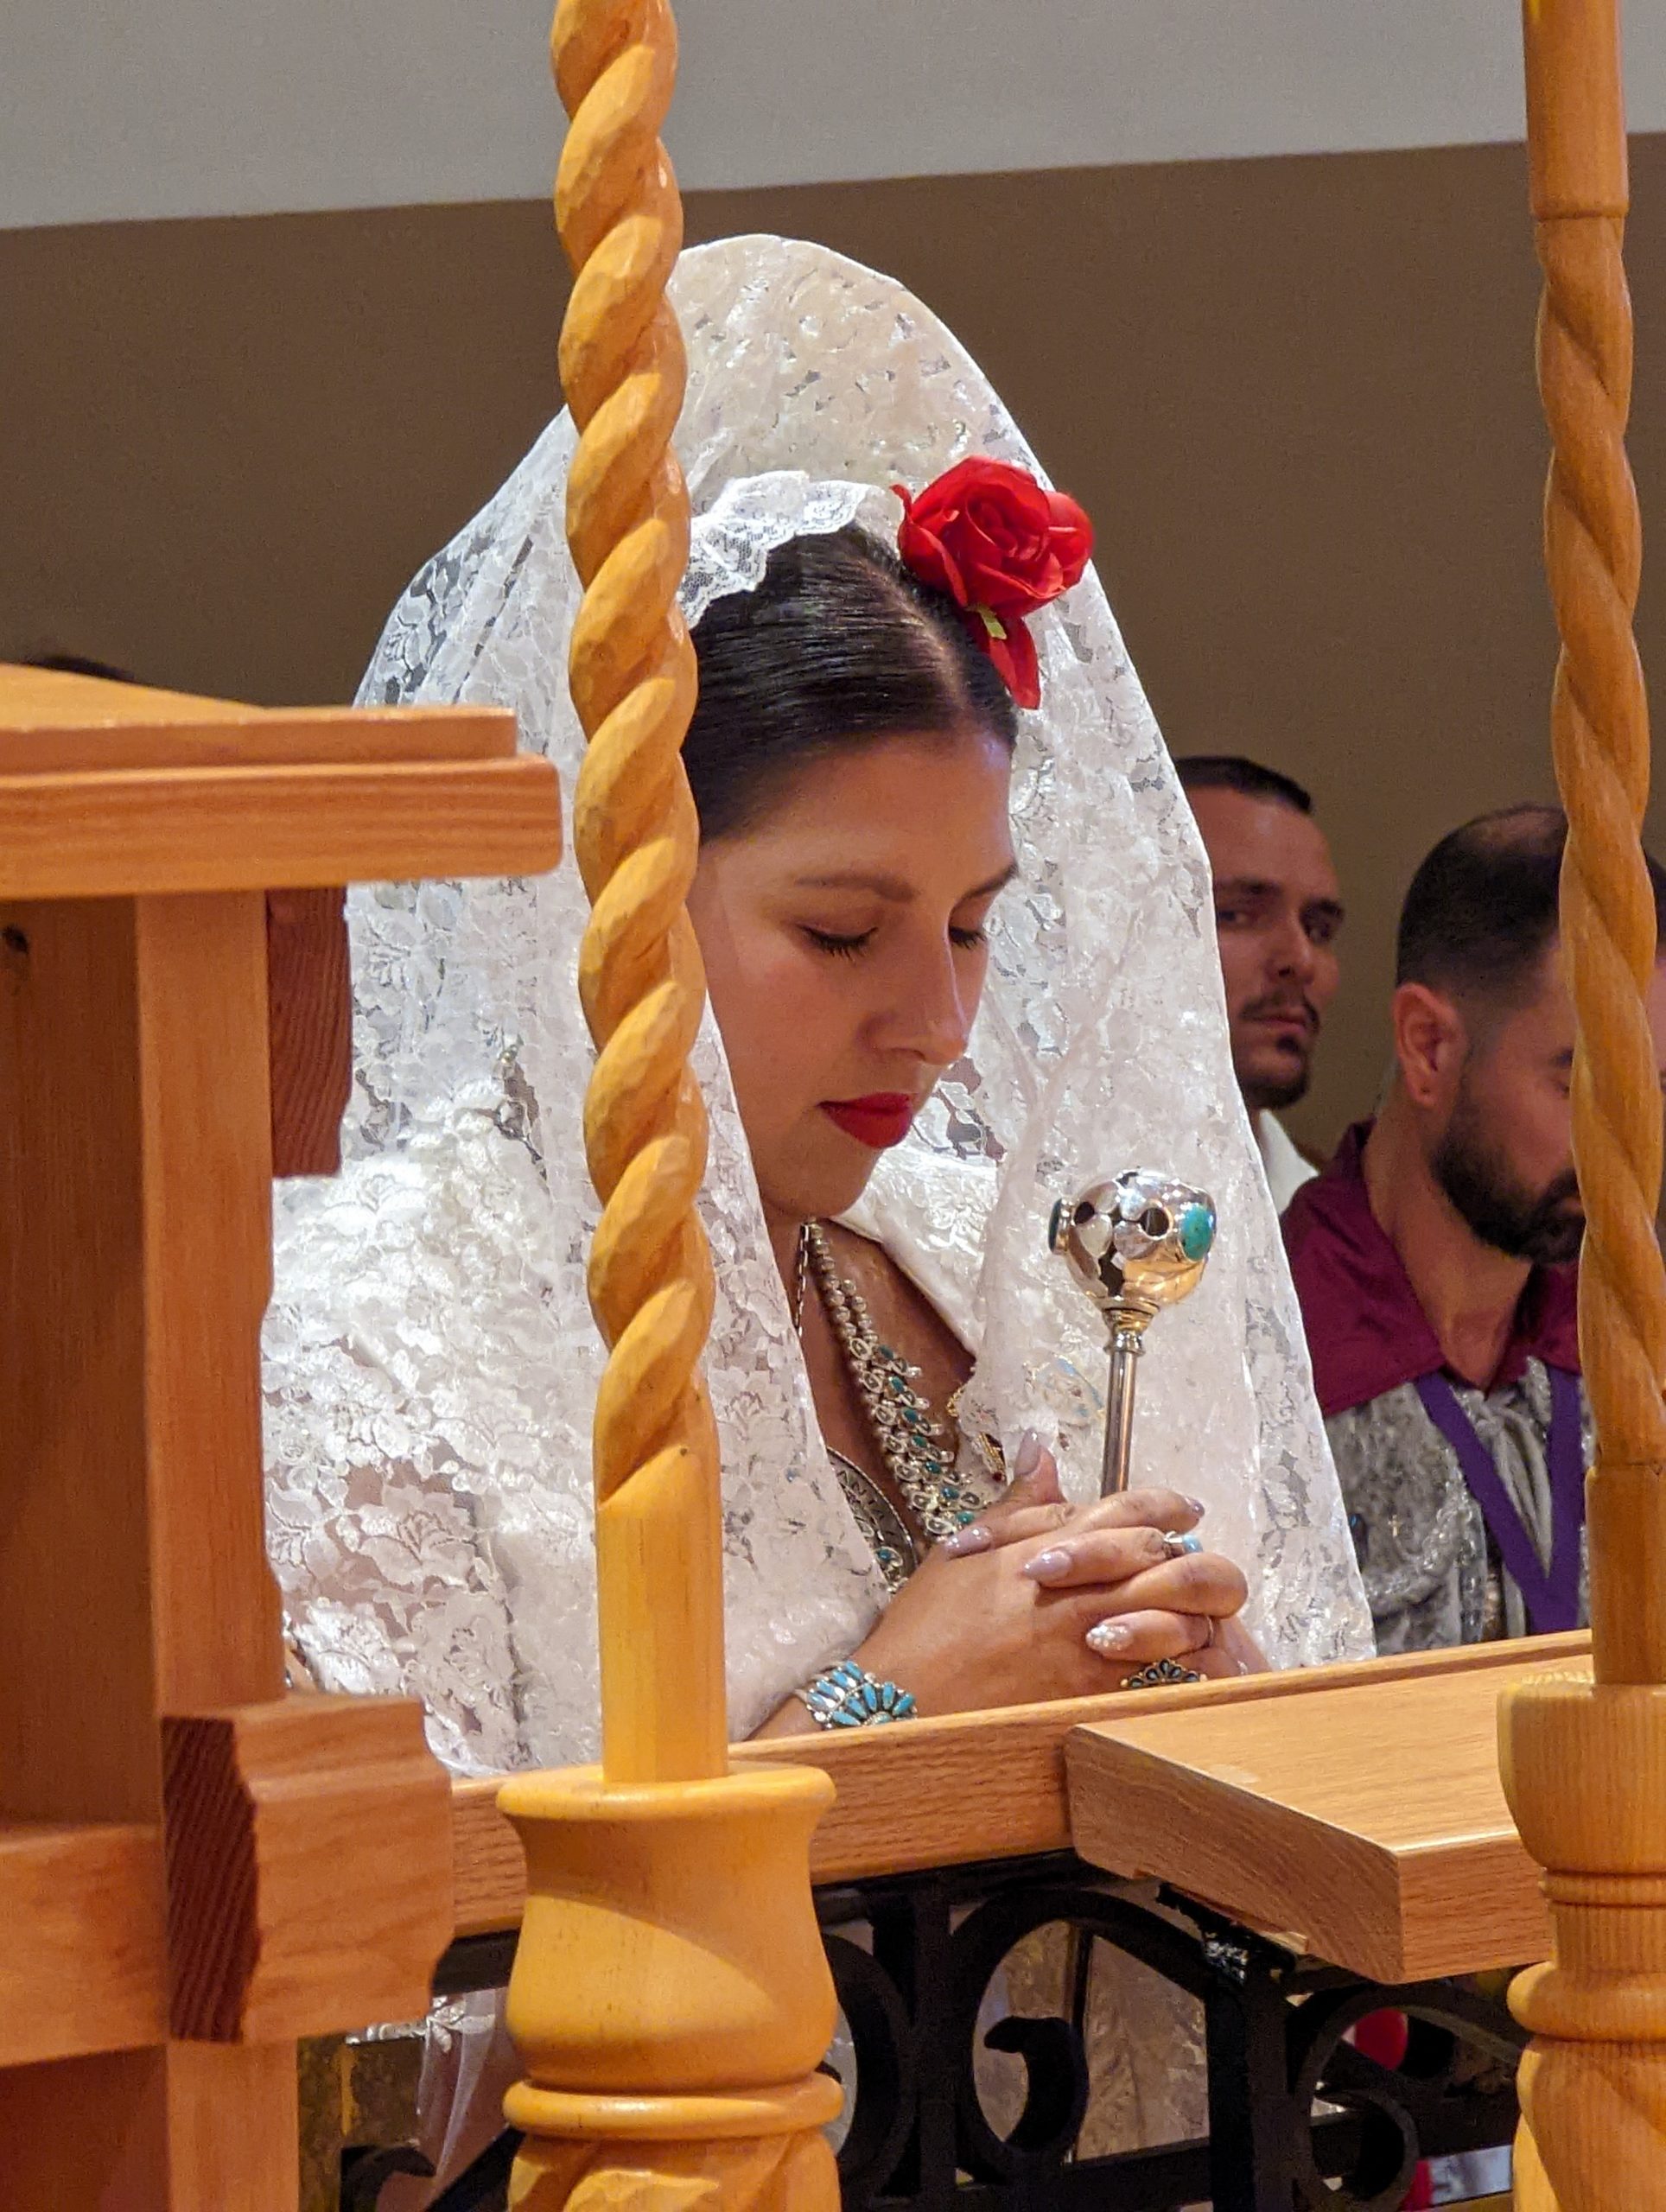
<point>431,1364</point>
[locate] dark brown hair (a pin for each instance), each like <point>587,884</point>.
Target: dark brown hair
<point>839,645</point>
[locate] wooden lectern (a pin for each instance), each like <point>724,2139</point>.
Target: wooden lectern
<point>193,1870</point>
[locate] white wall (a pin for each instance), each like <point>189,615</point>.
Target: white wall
<point>142,108</point>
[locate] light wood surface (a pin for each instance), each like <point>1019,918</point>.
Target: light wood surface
<point>309,1868</point>
<point>1585,1765</point>
<point>134,1203</point>
<point>136,1597</point>
<point>1599,739</point>
<point>976,1785</point>
<point>191,2128</point>
<point>95,835</point>
<point>74,1553</point>
<point>1367,1818</point>
<point>670,2001</point>
<point>659,1546</point>
<point>82,1966</point>
<point>50,721</point>
<point>309,1023</point>
<point>202,1192</point>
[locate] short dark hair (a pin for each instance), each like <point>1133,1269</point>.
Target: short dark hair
<point>1232,772</point>
<point>838,645</point>
<point>1483,906</point>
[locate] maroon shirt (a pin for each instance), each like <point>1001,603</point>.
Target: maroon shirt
<point>1366,1333</point>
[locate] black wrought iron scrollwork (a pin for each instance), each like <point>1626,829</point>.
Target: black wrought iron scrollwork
<point>1054,2050</point>
<point>1401,2108</point>
<point>483,2186</point>
<point>366,2168</point>
<point>883,2109</point>
<point>1300,2119</point>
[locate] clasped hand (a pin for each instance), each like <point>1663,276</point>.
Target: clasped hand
<point>1040,1598</point>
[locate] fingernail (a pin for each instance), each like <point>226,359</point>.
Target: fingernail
<point>1028,1458</point>
<point>1109,1638</point>
<point>1198,1506</point>
<point>965,1542</point>
<point>1048,1566</point>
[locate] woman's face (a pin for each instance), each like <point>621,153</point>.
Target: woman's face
<point>843,940</point>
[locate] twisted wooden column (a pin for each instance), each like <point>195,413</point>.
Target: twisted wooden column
<point>633,675</point>
<point>1584,1764</point>
<point>671,1999</point>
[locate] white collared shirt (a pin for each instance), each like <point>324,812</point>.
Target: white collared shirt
<point>1286,1171</point>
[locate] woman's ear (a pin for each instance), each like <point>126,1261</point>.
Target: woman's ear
<point>1430,1042</point>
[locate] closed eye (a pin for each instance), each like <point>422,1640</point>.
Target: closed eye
<point>969,940</point>
<point>842,948</point>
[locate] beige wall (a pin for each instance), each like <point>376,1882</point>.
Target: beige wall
<point>190,107</point>
<point>1295,393</point>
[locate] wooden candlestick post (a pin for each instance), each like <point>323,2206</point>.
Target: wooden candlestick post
<point>1584,1762</point>
<point>671,1999</point>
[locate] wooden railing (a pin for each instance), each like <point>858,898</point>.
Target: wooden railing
<point>194,1871</point>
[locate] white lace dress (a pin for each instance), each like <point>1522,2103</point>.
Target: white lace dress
<point>431,1366</point>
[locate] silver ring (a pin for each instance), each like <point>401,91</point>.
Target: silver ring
<point>1177,1547</point>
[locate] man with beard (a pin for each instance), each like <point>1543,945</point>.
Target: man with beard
<point>1436,1258</point>
<point>1277,913</point>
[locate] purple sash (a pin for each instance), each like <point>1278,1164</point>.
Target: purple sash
<point>1552,1599</point>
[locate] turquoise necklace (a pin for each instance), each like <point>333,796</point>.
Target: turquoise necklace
<point>918,1456</point>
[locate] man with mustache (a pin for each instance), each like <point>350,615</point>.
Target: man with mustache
<point>1436,1260</point>
<point>1277,915</point>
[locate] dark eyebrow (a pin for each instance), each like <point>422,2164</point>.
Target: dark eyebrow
<point>1246,886</point>
<point>1252,886</point>
<point>897,888</point>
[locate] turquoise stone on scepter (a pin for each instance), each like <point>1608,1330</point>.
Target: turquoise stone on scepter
<point>1134,1244</point>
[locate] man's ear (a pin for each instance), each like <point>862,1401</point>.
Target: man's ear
<point>1429,1041</point>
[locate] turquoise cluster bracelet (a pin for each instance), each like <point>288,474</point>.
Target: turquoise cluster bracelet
<point>847,1696</point>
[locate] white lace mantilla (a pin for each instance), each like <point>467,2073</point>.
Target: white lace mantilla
<point>431,1362</point>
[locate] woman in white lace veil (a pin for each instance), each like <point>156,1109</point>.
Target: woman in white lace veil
<point>431,1362</point>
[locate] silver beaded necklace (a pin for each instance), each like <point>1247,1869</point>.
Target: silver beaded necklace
<point>918,1456</point>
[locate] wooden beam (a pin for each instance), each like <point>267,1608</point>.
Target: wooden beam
<point>309,1867</point>
<point>184,2127</point>
<point>134,1592</point>
<point>59,724</point>
<point>137,831</point>
<point>1367,1818</point>
<point>974,1785</point>
<point>310,1020</point>
<point>134,1262</point>
<point>81,1961</point>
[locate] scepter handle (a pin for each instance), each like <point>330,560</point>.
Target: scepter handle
<point>1119,1409</point>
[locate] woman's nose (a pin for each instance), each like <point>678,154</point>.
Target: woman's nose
<point>932,1018</point>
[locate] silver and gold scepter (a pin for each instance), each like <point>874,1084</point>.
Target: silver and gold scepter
<point>1134,1244</point>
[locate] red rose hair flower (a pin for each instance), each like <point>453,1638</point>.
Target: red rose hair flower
<point>1000,546</point>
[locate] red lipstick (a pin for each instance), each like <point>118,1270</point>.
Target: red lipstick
<point>880,1120</point>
